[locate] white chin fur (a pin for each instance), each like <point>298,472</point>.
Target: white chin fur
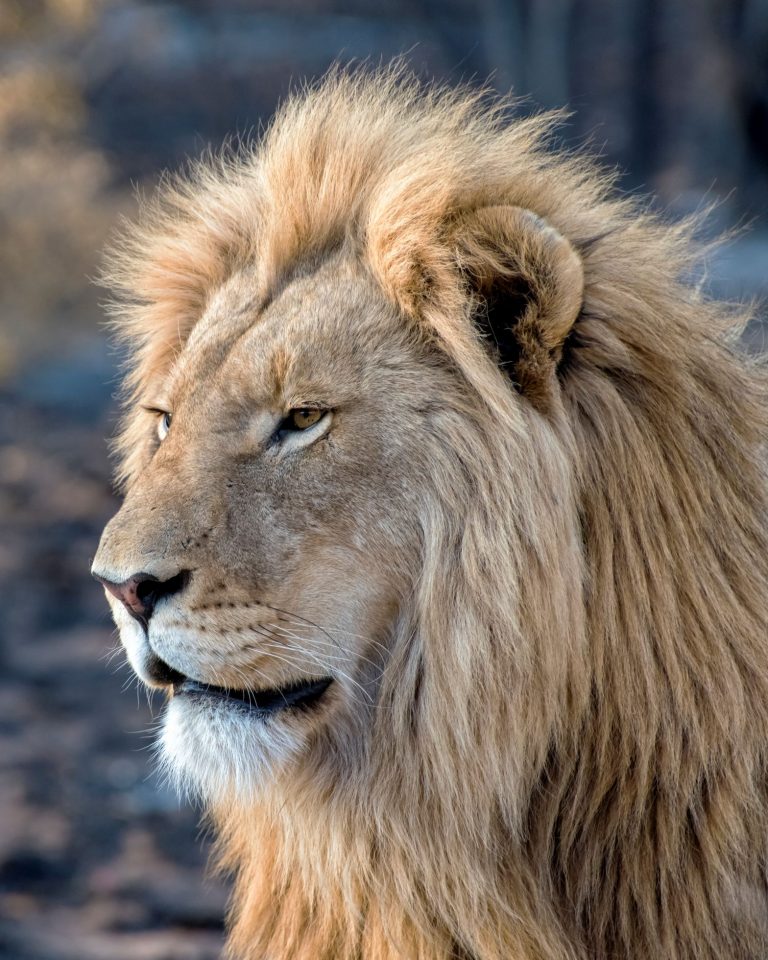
<point>218,752</point>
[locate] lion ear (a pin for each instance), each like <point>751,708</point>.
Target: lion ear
<point>528,282</point>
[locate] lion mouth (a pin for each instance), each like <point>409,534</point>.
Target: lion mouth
<point>302,695</point>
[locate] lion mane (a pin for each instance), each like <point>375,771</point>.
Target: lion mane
<point>568,753</point>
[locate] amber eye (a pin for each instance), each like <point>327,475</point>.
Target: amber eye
<point>299,420</point>
<point>302,418</point>
<point>163,426</point>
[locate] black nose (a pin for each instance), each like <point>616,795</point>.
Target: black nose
<point>139,594</point>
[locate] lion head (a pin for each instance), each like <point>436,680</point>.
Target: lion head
<point>445,533</point>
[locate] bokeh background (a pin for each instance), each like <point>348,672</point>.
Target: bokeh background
<point>98,859</point>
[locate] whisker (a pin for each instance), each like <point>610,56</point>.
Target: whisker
<point>340,631</point>
<point>340,656</point>
<point>275,656</point>
<point>337,630</point>
<point>300,619</point>
<point>109,655</point>
<point>346,656</point>
<point>315,659</point>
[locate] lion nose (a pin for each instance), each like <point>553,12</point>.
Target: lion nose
<point>140,593</point>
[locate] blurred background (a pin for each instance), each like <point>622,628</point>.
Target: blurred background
<point>98,860</point>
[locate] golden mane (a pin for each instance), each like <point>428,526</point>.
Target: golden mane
<point>568,757</point>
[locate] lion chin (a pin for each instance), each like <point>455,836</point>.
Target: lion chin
<point>445,533</point>
<point>226,746</point>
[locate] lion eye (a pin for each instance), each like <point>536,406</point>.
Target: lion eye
<point>302,418</point>
<point>164,425</point>
<point>302,426</point>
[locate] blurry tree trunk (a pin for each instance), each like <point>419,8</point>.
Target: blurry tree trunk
<point>548,51</point>
<point>503,39</point>
<point>603,41</point>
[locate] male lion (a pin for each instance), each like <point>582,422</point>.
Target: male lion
<point>446,534</point>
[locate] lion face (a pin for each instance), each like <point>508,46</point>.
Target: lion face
<point>260,558</point>
<point>297,457</point>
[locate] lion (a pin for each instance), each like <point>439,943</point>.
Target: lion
<point>445,533</point>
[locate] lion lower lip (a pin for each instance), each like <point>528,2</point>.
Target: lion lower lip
<point>264,702</point>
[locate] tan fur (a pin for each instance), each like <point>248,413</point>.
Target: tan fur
<point>562,751</point>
